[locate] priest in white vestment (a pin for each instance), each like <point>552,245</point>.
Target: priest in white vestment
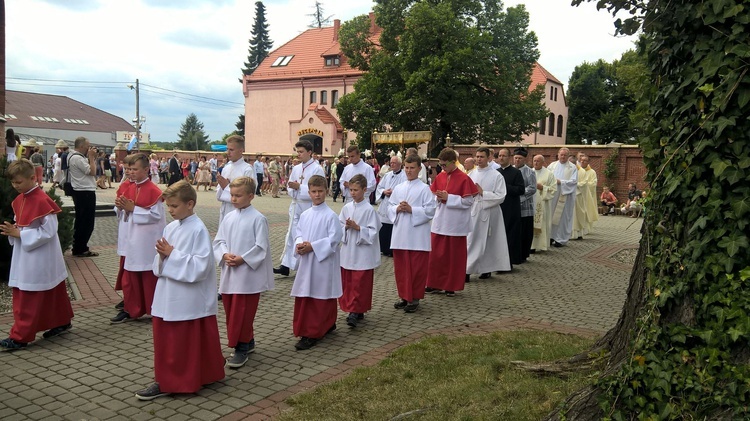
<point>546,185</point>
<point>580,226</point>
<point>487,245</point>
<point>591,202</point>
<point>563,203</point>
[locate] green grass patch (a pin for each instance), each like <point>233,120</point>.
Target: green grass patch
<point>441,378</point>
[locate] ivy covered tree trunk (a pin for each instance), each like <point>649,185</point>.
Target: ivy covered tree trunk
<point>682,345</point>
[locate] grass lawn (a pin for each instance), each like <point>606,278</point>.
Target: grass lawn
<point>441,378</point>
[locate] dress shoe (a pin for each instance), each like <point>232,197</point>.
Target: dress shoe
<point>485,275</point>
<point>281,270</point>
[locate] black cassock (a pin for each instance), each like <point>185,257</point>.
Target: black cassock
<point>511,208</point>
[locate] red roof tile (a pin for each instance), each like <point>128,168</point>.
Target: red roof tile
<point>326,117</point>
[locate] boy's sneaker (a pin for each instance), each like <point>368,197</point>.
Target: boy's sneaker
<point>305,343</point>
<point>237,359</point>
<point>352,320</point>
<point>450,293</point>
<point>150,393</point>
<point>251,346</point>
<point>331,329</point>
<point>120,305</point>
<point>400,304</point>
<point>430,290</point>
<point>57,331</point>
<point>411,307</point>
<point>9,344</point>
<point>360,316</point>
<point>121,317</point>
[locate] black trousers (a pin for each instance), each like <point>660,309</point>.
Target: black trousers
<point>174,177</point>
<point>84,203</point>
<point>527,235</point>
<point>385,233</point>
<point>259,176</point>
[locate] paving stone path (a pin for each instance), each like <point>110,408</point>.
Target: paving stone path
<point>93,371</point>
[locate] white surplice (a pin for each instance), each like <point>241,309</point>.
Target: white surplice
<point>487,245</point>
<point>232,170</point>
<point>350,171</point>
<point>142,227</point>
<point>388,182</point>
<point>580,224</point>
<point>411,231</point>
<point>562,220</point>
<point>244,232</point>
<point>592,204</point>
<point>37,261</point>
<point>301,202</point>
<point>319,273</point>
<point>543,209</point>
<point>186,289</point>
<point>360,250</point>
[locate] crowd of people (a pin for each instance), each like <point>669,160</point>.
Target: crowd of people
<point>475,219</point>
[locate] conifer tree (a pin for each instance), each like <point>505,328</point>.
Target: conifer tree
<point>260,43</point>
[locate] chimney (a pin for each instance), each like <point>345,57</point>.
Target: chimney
<point>372,23</point>
<point>336,27</point>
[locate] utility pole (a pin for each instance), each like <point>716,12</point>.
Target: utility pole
<point>137,117</point>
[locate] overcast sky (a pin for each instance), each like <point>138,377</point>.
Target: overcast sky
<point>188,54</point>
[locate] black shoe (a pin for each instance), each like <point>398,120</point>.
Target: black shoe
<point>400,304</point>
<point>332,328</point>
<point>450,293</point>
<point>556,244</point>
<point>237,359</point>
<point>352,320</point>
<point>8,344</point>
<point>467,279</point>
<point>551,242</point>
<point>150,393</point>
<point>219,297</point>
<point>433,290</point>
<point>121,317</point>
<point>360,316</point>
<point>305,343</point>
<point>281,270</point>
<point>120,305</point>
<point>485,275</point>
<point>411,307</point>
<point>57,331</point>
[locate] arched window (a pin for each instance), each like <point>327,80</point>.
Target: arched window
<point>313,97</point>
<point>334,98</point>
<point>551,124</point>
<point>559,126</point>
<point>542,126</point>
<point>551,93</point>
<point>324,97</point>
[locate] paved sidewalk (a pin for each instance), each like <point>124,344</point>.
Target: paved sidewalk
<point>93,371</point>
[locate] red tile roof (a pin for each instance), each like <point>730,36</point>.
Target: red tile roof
<point>540,75</point>
<point>69,113</point>
<point>326,117</point>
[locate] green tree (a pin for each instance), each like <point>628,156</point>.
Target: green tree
<point>240,125</point>
<point>456,67</point>
<point>679,348</point>
<point>192,137</point>
<point>260,43</point>
<point>319,19</point>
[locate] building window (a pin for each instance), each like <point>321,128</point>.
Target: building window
<point>555,94</point>
<point>332,61</point>
<point>324,97</point>
<point>551,124</point>
<point>551,93</point>
<point>334,98</point>
<point>314,97</point>
<point>542,125</point>
<point>281,61</point>
<point>559,125</point>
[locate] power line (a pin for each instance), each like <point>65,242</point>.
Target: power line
<point>191,95</point>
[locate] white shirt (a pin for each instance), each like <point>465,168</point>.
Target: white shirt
<point>142,229</point>
<point>244,232</point>
<point>232,170</point>
<point>78,169</point>
<point>301,174</point>
<point>353,169</point>
<point>411,231</point>
<point>360,250</point>
<point>388,182</point>
<point>319,272</point>
<point>186,289</point>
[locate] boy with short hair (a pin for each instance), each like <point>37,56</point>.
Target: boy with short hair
<point>411,208</point>
<point>37,268</point>
<point>140,207</point>
<point>318,282</point>
<point>360,251</point>
<point>122,226</point>
<point>187,349</point>
<point>243,250</point>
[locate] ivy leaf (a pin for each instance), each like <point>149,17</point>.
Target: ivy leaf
<point>700,223</point>
<point>743,98</point>
<point>733,244</point>
<point>740,206</point>
<point>734,333</point>
<point>719,166</point>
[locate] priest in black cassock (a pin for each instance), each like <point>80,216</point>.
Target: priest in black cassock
<point>511,207</point>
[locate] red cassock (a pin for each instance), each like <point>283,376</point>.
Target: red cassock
<point>357,290</point>
<point>138,287</point>
<point>410,269</point>
<point>187,354</point>
<point>240,310</point>
<point>313,317</point>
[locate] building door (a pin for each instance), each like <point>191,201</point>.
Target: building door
<point>316,141</point>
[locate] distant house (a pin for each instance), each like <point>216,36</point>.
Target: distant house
<point>293,95</point>
<point>48,118</point>
<point>553,129</point>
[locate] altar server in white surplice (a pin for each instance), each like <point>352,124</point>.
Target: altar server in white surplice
<point>564,201</point>
<point>383,197</point>
<point>546,186</point>
<point>317,285</point>
<point>487,245</point>
<point>356,166</point>
<point>411,208</point>
<point>236,167</point>
<point>187,349</point>
<point>360,252</point>
<point>243,251</point>
<point>297,189</point>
